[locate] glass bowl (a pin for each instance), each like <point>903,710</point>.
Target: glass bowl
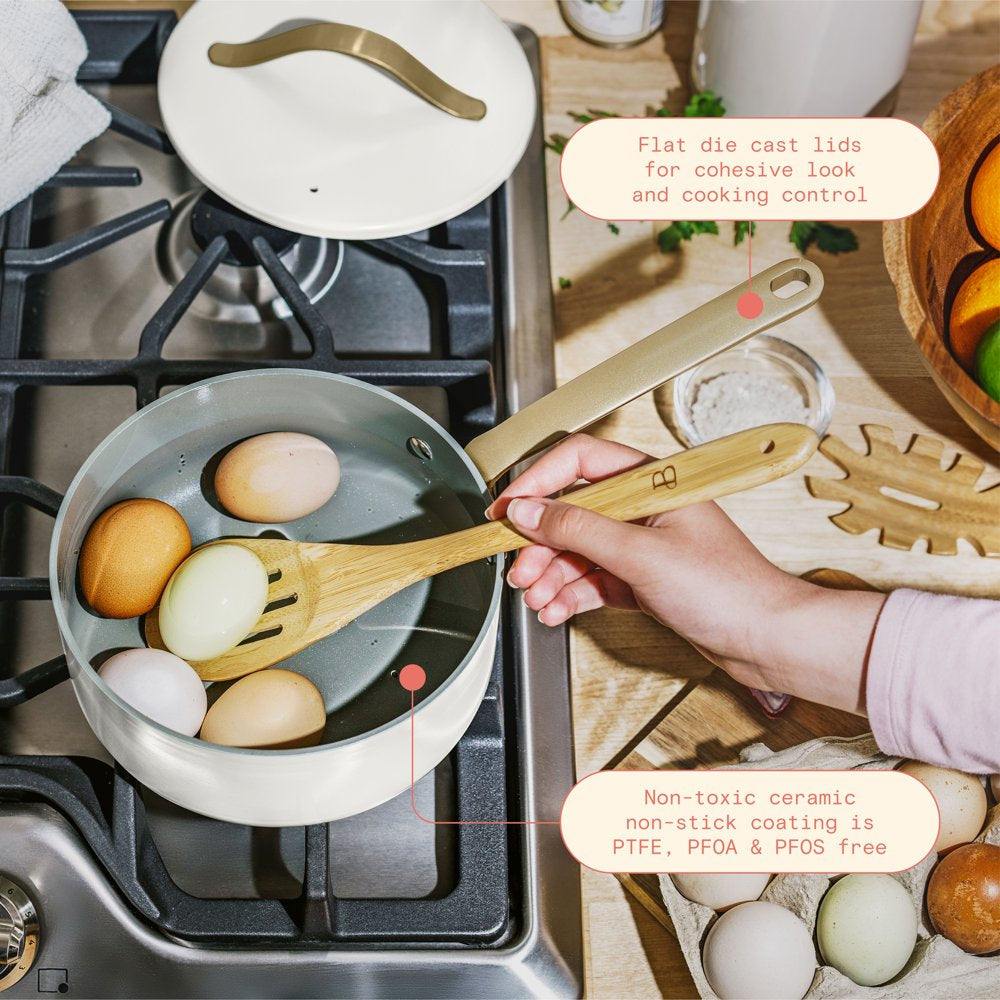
<point>762,355</point>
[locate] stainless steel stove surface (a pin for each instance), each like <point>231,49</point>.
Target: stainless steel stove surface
<point>112,289</point>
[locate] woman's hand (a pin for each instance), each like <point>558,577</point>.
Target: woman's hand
<point>691,569</point>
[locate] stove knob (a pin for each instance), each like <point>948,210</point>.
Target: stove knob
<point>18,933</point>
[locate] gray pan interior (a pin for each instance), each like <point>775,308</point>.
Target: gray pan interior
<point>387,493</point>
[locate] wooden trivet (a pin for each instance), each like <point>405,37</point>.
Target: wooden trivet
<point>943,506</point>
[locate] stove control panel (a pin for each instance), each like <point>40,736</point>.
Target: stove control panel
<point>18,933</point>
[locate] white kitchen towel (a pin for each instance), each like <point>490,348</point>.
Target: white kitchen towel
<point>45,116</point>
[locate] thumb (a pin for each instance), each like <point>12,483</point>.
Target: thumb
<point>612,545</point>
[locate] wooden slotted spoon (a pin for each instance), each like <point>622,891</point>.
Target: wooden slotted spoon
<point>317,588</point>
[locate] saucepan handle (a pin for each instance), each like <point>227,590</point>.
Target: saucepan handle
<point>708,330</point>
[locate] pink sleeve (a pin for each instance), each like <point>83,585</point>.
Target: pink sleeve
<point>933,687</point>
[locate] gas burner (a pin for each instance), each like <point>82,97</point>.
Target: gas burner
<point>239,291</point>
<point>212,216</point>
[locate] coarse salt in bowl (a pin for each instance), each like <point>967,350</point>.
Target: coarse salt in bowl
<point>764,380</point>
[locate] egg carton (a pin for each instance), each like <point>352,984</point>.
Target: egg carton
<point>936,969</point>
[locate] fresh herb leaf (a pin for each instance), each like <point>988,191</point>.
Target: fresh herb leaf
<point>803,235</point>
<point>670,238</point>
<point>704,104</point>
<point>835,239</point>
<point>557,143</point>
<point>565,282</point>
<point>740,230</point>
<point>663,113</point>
<point>827,237</point>
<point>591,116</point>
<point>613,228</point>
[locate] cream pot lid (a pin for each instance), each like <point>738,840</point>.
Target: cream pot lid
<point>325,144</point>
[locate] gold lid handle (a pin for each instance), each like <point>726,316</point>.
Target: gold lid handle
<point>368,46</point>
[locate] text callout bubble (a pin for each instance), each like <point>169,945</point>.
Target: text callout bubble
<point>749,821</point>
<point>749,168</point>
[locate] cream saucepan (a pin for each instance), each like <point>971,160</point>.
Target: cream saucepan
<point>403,477</point>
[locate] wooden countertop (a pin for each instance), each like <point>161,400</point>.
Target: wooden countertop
<point>623,288</point>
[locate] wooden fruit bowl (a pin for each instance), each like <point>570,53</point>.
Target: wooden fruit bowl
<point>931,253</point>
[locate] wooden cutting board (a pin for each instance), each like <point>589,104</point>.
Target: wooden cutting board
<point>721,706</point>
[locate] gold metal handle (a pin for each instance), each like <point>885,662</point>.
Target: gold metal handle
<point>708,330</point>
<point>368,46</point>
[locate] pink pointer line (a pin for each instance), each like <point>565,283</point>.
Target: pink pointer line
<point>457,822</point>
<point>750,256</point>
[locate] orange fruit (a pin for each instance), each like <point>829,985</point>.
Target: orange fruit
<point>984,199</point>
<point>976,307</point>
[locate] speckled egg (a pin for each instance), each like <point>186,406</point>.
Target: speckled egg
<point>961,800</point>
<point>128,555</point>
<point>866,927</point>
<point>759,951</point>
<point>269,710</point>
<point>160,685</point>
<point>213,601</point>
<point>963,898</point>
<point>277,477</point>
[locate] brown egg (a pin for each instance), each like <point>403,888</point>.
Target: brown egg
<point>129,554</point>
<point>963,898</point>
<point>269,710</point>
<point>277,477</point>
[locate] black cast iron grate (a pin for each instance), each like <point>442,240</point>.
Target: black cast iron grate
<point>104,804</point>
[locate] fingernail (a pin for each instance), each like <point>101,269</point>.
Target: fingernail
<point>510,582</point>
<point>525,513</point>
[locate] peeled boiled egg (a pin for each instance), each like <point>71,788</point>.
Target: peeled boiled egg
<point>720,890</point>
<point>961,800</point>
<point>963,898</point>
<point>759,951</point>
<point>867,927</point>
<point>128,555</point>
<point>213,601</point>
<point>268,710</point>
<point>277,477</point>
<point>160,685</point>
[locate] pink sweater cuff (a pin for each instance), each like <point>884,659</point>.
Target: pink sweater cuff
<point>933,686</point>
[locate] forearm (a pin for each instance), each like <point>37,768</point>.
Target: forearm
<point>815,644</point>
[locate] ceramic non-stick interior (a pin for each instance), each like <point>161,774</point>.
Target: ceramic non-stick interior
<point>389,492</point>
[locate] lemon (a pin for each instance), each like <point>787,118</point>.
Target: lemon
<point>975,309</point>
<point>984,198</point>
<point>988,361</point>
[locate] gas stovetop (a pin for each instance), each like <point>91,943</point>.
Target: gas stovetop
<point>122,279</point>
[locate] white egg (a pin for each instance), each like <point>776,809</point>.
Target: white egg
<point>867,928</point>
<point>995,786</point>
<point>160,685</point>
<point>759,951</point>
<point>213,601</point>
<point>720,890</point>
<point>961,801</point>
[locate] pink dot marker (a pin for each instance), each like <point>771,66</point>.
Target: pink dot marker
<point>750,305</point>
<point>412,677</point>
